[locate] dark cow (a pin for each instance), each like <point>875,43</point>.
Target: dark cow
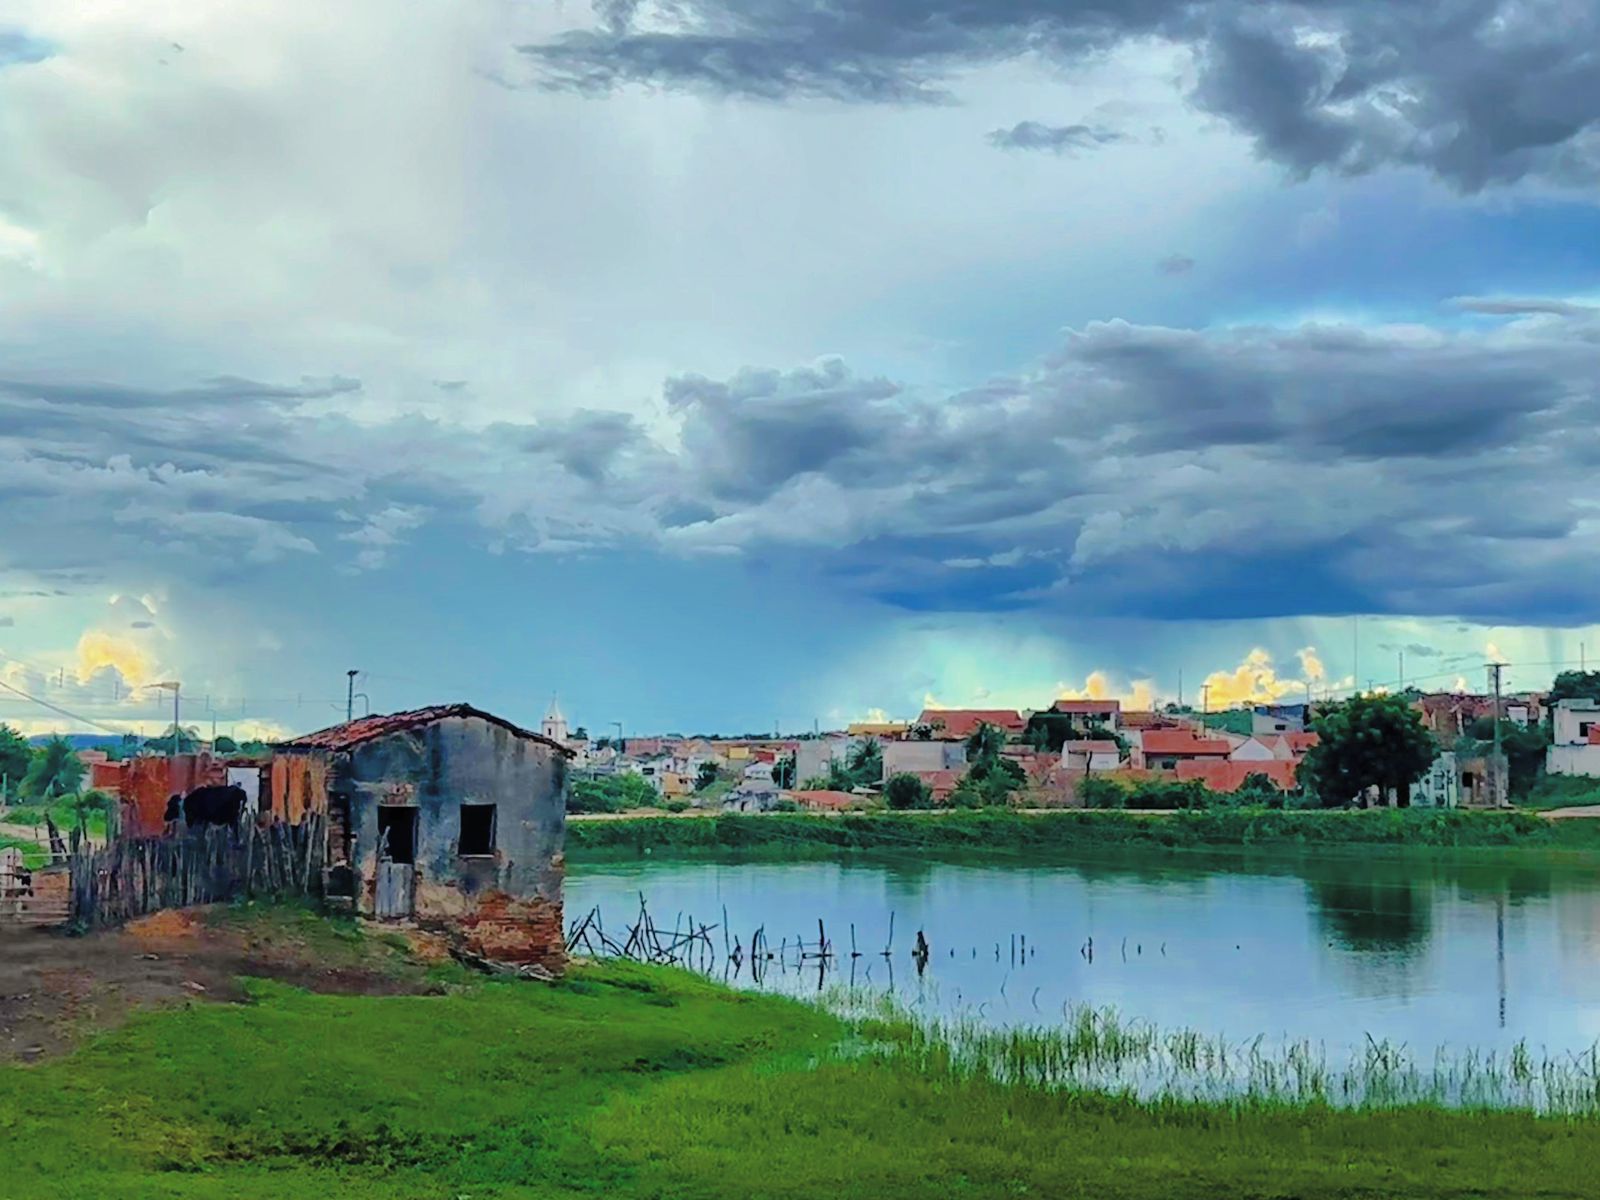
<point>214,805</point>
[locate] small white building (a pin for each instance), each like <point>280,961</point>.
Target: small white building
<point>1255,749</point>
<point>1439,787</point>
<point>1571,751</point>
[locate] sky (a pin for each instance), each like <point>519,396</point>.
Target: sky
<point>723,366</point>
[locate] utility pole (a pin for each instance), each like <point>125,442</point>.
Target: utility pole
<point>1180,688</point>
<point>177,735</point>
<point>1402,655</point>
<point>1355,646</point>
<point>1205,699</point>
<point>350,695</point>
<point>1499,794</point>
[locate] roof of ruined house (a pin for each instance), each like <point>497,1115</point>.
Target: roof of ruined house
<point>1181,741</point>
<point>1230,776</point>
<point>961,722</point>
<point>353,733</point>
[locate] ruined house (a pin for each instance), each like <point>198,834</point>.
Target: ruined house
<point>449,815</point>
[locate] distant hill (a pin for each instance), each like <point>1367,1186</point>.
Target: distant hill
<point>79,741</point>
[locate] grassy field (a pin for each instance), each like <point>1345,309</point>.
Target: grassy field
<point>626,1081</point>
<point>1007,832</point>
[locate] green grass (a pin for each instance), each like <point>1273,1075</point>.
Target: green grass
<point>61,812</point>
<point>1003,832</point>
<point>1561,791</point>
<point>33,854</point>
<point>629,1082</point>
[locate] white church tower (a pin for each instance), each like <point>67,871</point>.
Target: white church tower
<point>555,725</point>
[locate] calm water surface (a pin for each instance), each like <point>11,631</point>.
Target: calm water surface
<point>1417,952</point>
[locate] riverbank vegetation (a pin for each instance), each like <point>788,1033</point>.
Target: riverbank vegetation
<point>1009,832</point>
<point>628,1081</point>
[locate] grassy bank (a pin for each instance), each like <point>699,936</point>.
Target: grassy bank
<point>1076,831</point>
<point>632,1082</point>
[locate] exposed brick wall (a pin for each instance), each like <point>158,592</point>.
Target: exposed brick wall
<point>506,929</point>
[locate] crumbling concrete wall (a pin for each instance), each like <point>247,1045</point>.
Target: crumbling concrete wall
<point>505,905</point>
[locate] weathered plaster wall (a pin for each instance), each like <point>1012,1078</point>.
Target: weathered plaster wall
<point>508,903</point>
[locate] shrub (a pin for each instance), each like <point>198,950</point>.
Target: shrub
<point>907,791</point>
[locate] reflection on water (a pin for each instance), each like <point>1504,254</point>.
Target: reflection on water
<point>1422,953</point>
<point>1373,914</point>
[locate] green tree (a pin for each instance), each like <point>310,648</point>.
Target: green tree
<point>1369,741</point>
<point>705,776</point>
<point>188,740</point>
<point>1573,685</point>
<point>1523,745</point>
<point>905,790</point>
<point>985,743</point>
<point>612,793</point>
<point>225,745</point>
<point>15,756</point>
<point>86,804</point>
<point>864,764</point>
<point>55,770</point>
<point>783,771</point>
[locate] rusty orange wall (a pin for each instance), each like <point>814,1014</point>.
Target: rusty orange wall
<point>299,786</point>
<point>107,776</point>
<point>149,780</point>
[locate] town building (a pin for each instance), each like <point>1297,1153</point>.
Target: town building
<point>1574,738</point>
<point>1086,755</point>
<point>1164,749</point>
<point>962,723</point>
<point>1088,715</point>
<point>916,757</point>
<point>447,815</point>
<point>1223,775</point>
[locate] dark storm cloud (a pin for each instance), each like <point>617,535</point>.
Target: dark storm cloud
<point>1058,139</point>
<point>1478,92</point>
<point>1176,472</point>
<point>753,433</point>
<point>1138,469</point>
<point>586,443</point>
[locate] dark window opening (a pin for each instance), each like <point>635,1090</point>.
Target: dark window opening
<point>1466,780</point>
<point>397,833</point>
<point>477,829</point>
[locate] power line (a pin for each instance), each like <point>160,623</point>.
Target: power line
<point>63,711</point>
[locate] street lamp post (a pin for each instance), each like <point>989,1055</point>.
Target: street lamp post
<point>174,687</point>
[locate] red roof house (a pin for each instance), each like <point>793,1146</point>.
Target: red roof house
<point>952,723</point>
<point>1230,776</point>
<point>1163,749</point>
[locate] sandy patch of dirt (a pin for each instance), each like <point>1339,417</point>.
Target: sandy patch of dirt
<point>54,989</point>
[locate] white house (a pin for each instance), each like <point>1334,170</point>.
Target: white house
<point>1255,749</point>
<point>1572,752</point>
<point>1084,756</point>
<point>1440,787</point>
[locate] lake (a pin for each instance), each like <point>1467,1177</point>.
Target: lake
<point>1416,951</point>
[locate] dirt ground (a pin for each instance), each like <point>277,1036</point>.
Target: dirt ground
<point>55,988</point>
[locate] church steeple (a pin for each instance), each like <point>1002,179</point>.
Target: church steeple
<point>554,726</point>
